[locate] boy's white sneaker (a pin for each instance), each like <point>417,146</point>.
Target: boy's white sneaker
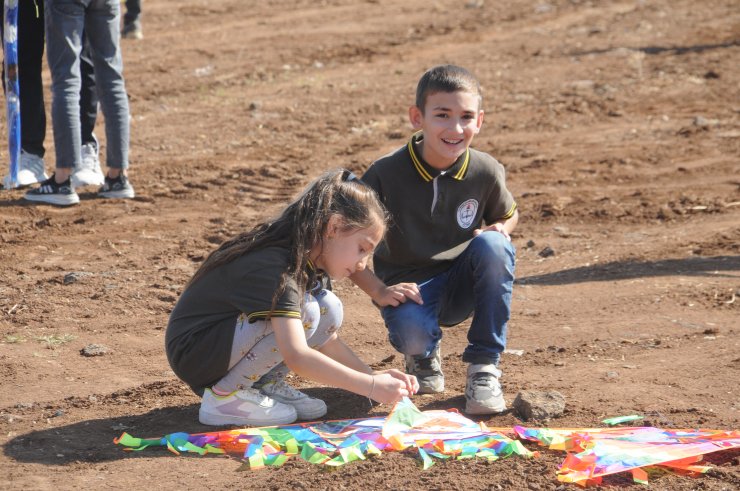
<point>307,408</point>
<point>89,172</point>
<point>483,394</point>
<point>247,407</point>
<point>30,170</point>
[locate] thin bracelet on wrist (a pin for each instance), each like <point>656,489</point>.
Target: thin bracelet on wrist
<point>372,389</point>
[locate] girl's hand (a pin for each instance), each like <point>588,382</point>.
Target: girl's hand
<point>395,295</point>
<point>410,382</point>
<point>386,389</point>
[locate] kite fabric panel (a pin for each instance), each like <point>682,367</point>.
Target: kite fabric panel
<point>592,453</point>
<point>12,90</point>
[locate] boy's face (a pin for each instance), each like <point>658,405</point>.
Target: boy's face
<point>450,121</point>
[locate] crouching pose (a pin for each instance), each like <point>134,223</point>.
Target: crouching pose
<point>257,309</point>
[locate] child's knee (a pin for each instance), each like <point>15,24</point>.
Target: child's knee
<point>493,246</point>
<point>331,309</point>
<point>330,317</point>
<point>311,314</point>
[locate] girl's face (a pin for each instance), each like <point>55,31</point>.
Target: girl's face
<point>346,252</point>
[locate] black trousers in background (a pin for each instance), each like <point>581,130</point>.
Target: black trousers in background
<point>30,54</point>
<point>133,12</point>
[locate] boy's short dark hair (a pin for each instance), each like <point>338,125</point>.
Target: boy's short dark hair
<point>446,78</point>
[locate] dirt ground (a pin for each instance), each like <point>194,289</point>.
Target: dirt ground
<point>618,123</point>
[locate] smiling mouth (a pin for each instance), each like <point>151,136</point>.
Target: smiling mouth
<point>452,142</point>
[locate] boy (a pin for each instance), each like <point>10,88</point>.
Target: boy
<point>447,253</point>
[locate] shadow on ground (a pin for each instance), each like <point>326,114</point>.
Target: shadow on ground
<point>92,440</point>
<point>719,266</point>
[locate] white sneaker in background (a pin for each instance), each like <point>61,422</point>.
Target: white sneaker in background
<point>89,172</point>
<point>30,170</point>
<point>244,407</point>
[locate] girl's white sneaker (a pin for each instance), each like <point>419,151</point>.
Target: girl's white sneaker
<point>246,407</point>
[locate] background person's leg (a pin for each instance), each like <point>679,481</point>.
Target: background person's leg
<point>101,29</point>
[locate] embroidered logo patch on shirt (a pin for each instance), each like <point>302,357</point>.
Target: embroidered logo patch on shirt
<point>466,213</point>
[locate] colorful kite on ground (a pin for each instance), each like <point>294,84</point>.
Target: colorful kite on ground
<point>592,453</point>
<point>597,452</point>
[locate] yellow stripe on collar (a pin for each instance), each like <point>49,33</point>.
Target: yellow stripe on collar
<point>417,163</point>
<point>459,175</point>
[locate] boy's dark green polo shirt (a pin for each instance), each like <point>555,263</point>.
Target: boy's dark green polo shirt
<point>201,326</point>
<point>433,213</point>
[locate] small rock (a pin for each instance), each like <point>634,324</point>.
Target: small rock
<point>94,350</point>
<point>530,244</point>
<point>611,375</point>
<point>546,252</point>
<point>57,413</point>
<point>75,276</point>
<point>582,85</point>
<point>701,121</point>
<point>704,123</point>
<point>531,404</point>
<point>515,352</point>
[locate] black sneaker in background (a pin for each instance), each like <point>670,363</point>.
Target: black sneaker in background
<point>118,188</point>
<point>132,30</point>
<point>60,194</point>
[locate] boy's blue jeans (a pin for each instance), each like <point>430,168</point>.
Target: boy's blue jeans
<point>65,22</point>
<point>479,282</point>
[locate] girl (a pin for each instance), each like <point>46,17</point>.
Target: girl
<point>257,309</point>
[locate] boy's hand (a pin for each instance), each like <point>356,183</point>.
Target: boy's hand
<point>412,385</point>
<point>395,295</point>
<point>494,227</point>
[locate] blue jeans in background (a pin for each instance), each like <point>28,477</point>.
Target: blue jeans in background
<point>65,22</point>
<point>480,282</point>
